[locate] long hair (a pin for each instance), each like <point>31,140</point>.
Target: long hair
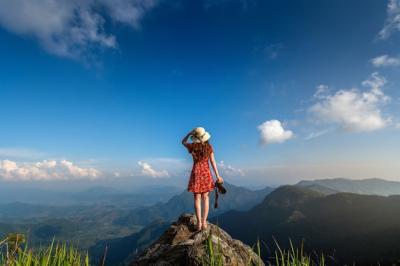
<point>201,150</point>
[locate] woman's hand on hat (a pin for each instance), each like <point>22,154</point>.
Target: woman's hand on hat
<point>190,133</point>
<point>220,179</point>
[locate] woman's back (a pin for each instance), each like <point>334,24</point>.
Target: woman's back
<point>200,151</point>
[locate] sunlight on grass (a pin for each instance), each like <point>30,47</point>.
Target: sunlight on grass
<point>291,257</point>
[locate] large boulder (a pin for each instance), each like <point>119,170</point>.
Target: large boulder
<point>182,244</point>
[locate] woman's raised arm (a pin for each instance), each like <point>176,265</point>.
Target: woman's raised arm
<point>185,139</point>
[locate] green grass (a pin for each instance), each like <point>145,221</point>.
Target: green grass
<point>214,255</point>
<point>292,257</point>
<point>57,254</point>
<point>14,251</point>
<point>295,257</point>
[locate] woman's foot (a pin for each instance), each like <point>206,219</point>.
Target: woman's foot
<point>199,226</point>
<point>204,225</point>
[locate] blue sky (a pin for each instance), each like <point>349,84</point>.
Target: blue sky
<point>289,90</point>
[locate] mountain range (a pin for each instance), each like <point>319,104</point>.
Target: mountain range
<point>238,198</point>
<point>348,228</point>
<point>373,186</point>
<point>91,224</point>
<point>361,226</point>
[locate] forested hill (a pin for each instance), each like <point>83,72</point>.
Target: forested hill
<point>352,227</point>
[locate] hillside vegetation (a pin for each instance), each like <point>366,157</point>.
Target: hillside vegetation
<point>353,228</point>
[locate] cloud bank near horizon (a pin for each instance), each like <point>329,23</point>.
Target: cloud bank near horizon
<point>46,170</point>
<point>229,170</point>
<point>149,171</point>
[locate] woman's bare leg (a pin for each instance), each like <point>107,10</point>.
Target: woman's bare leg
<point>197,207</point>
<point>205,199</point>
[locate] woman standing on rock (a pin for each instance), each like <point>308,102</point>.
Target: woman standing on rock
<point>201,181</point>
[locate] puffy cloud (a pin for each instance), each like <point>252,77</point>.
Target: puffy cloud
<point>392,23</point>
<point>272,132</point>
<point>385,61</point>
<point>70,28</point>
<point>45,170</point>
<point>352,109</point>
<point>147,170</point>
<point>229,170</point>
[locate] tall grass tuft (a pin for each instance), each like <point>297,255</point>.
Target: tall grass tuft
<point>292,257</point>
<point>295,257</point>
<point>57,254</point>
<point>214,255</point>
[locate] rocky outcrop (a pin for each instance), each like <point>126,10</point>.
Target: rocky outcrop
<point>181,244</point>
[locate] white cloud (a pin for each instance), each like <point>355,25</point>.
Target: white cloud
<point>147,170</point>
<point>385,61</point>
<point>70,28</point>
<point>392,23</point>
<point>321,91</point>
<point>129,12</point>
<point>352,109</point>
<point>45,170</point>
<point>172,165</point>
<point>272,132</point>
<point>229,170</point>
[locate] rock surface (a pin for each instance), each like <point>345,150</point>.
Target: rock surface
<point>181,244</point>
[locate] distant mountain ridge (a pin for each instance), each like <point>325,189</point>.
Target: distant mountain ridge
<point>373,186</point>
<point>238,198</point>
<point>92,196</point>
<point>352,227</point>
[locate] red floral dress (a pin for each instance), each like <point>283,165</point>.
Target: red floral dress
<point>201,179</point>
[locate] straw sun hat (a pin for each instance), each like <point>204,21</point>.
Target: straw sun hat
<point>200,135</point>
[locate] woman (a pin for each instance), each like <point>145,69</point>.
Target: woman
<point>201,181</point>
